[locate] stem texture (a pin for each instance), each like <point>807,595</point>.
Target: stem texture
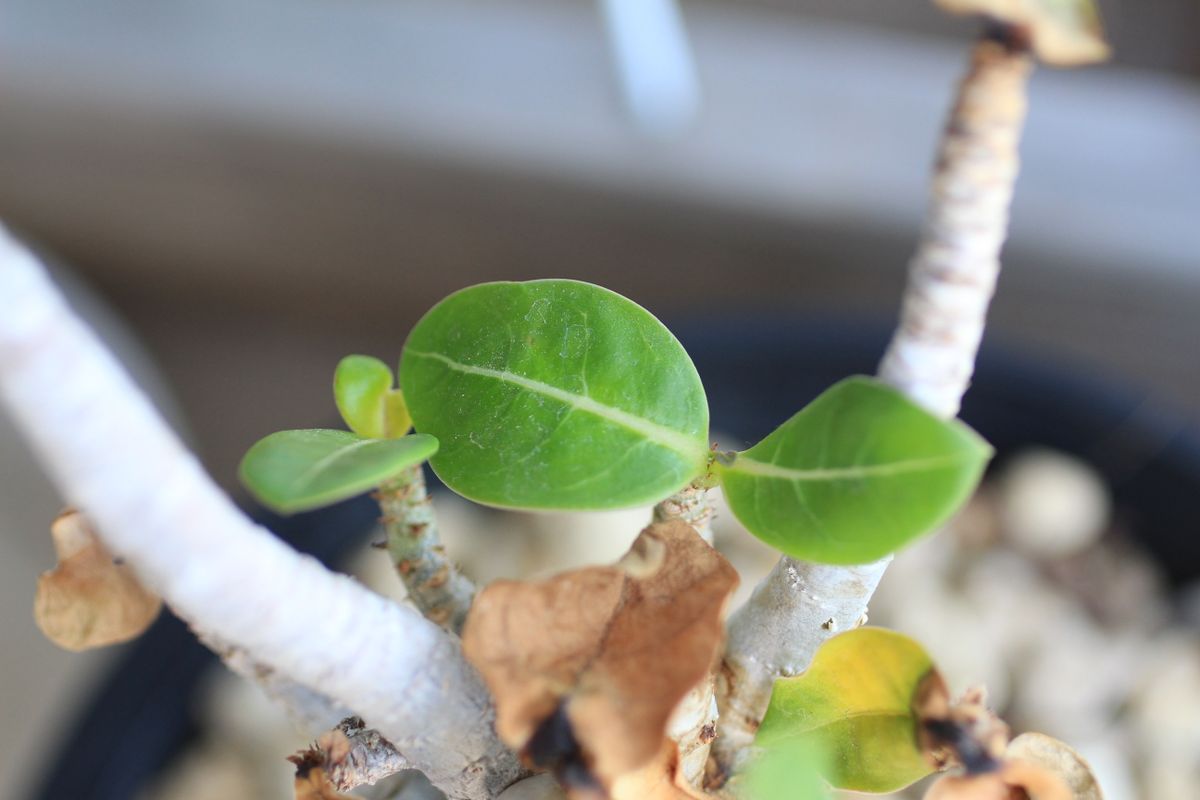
<point>931,358</point>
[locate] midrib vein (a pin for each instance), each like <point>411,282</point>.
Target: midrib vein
<point>671,439</point>
<point>749,466</point>
<point>305,478</point>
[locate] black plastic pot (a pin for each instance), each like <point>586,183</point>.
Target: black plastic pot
<point>757,373</point>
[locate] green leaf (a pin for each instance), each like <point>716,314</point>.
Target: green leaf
<point>855,703</point>
<point>789,770</point>
<point>294,471</point>
<point>554,394</point>
<point>855,475</point>
<point>362,388</point>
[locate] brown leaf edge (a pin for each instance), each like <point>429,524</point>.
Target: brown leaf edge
<point>91,599</point>
<point>967,736</point>
<point>586,667</point>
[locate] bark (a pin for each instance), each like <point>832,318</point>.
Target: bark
<point>953,275</point>
<point>434,583</point>
<point>113,457</point>
<point>931,358</point>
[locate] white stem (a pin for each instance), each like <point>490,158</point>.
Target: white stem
<point>953,275</point>
<point>931,358</point>
<point>776,633</point>
<point>113,456</point>
<point>309,710</point>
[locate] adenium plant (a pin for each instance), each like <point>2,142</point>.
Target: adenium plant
<point>625,680</point>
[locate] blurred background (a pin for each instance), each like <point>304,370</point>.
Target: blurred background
<point>243,191</point>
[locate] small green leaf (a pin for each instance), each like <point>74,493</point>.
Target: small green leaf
<point>855,703</point>
<point>294,471</point>
<point>555,394</point>
<point>789,770</point>
<point>855,475</point>
<point>362,388</point>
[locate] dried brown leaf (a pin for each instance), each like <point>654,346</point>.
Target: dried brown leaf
<point>658,780</point>
<point>964,733</point>
<point>587,666</point>
<point>1060,759</point>
<point>1014,780</point>
<point>351,755</point>
<point>312,782</point>
<point>90,599</point>
<point>1061,32</point>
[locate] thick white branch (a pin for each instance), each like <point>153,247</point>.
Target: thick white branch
<point>931,359</point>
<point>112,456</point>
<point>776,633</point>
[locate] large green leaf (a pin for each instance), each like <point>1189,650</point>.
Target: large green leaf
<point>855,704</point>
<point>554,394</point>
<point>362,388</point>
<point>856,474</point>
<point>294,471</point>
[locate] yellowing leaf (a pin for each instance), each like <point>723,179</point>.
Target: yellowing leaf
<point>90,599</point>
<point>855,703</point>
<point>587,666</point>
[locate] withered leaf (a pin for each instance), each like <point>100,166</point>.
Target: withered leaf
<point>965,733</point>
<point>312,782</point>
<point>1051,754</point>
<point>968,735</point>
<point>587,666</point>
<point>90,599</point>
<point>1014,778</point>
<point>1062,32</point>
<point>658,780</point>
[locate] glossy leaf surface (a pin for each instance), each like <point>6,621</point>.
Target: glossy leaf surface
<point>554,394</point>
<point>855,475</point>
<point>366,399</point>
<point>301,470</point>
<point>855,704</point>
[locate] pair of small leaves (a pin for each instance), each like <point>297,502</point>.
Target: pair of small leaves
<point>560,394</point>
<point>300,470</point>
<point>874,702</point>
